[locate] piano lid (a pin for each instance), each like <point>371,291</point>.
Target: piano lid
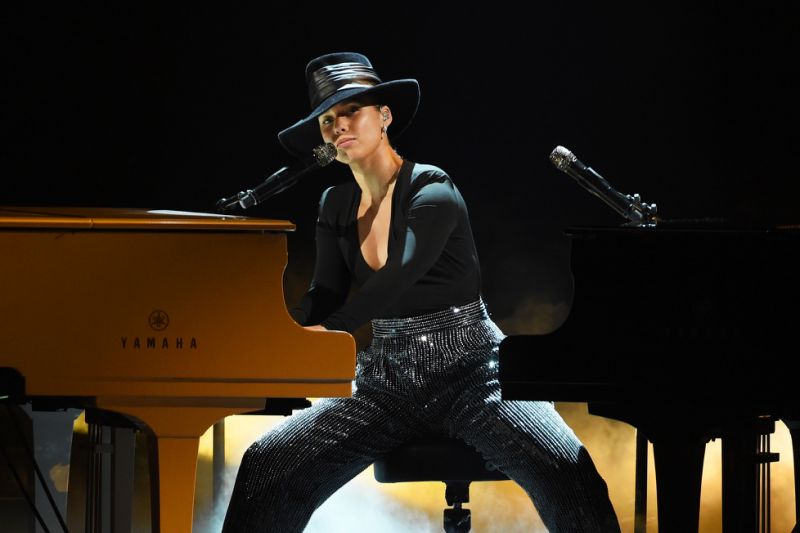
<point>126,218</point>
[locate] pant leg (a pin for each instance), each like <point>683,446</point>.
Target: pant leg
<point>296,466</point>
<point>531,444</point>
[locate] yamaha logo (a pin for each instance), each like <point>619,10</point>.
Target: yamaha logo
<point>158,320</point>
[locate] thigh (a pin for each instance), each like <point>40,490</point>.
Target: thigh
<point>531,444</point>
<point>297,465</point>
<point>334,431</point>
<point>514,435</point>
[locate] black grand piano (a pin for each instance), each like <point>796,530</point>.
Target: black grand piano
<point>687,331</point>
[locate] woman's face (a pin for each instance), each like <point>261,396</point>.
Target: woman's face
<point>354,127</point>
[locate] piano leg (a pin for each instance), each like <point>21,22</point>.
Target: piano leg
<point>794,430</point>
<point>679,446</point>
<point>640,497</point>
<point>177,425</point>
<point>679,472</point>
<point>743,507</point>
<point>172,501</point>
<point>739,476</point>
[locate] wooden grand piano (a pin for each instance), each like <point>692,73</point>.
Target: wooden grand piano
<point>173,319</point>
<point>687,332</point>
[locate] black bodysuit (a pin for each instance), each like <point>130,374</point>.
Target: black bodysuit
<point>432,261</point>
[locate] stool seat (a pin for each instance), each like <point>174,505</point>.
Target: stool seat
<point>434,459</point>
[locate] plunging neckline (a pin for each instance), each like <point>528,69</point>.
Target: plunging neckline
<point>389,229</point>
<point>388,232</point>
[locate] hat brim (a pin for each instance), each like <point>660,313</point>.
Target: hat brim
<point>402,97</point>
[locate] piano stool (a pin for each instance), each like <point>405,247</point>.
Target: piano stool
<point>436,458</point>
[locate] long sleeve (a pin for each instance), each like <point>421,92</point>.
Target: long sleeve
<point>432,215</point>
<point>331,282</point>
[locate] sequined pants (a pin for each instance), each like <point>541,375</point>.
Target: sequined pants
<point>435,373</point>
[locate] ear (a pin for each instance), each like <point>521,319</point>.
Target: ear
<point>386,114</point>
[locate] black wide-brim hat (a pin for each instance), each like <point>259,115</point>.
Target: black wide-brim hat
<point>335,78</point>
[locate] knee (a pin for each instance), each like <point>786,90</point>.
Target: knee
<point>265,453</point>
<point>251,454</point>
<point>268,469</point>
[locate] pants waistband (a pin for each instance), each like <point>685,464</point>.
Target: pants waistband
<point>454,316</point>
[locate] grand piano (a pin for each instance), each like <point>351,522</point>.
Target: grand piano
<point>172,319</point>
<point>687,331</point>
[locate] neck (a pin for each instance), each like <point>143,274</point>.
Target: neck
<point>376,176</point>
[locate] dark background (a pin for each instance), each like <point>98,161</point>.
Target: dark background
<point>692,106</point>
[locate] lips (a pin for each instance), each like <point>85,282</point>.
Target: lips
<point>343,143</point>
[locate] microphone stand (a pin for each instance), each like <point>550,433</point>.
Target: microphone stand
<point>250,197</point>
<point>279,181</point>
<point>629,206</point>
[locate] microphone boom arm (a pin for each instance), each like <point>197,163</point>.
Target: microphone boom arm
<point>279,181</point>
<point>268,188</point>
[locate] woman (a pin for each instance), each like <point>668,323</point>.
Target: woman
<point>401,231</point>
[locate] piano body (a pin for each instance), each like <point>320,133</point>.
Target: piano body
<point>686,333</point>
<point>172,319</point>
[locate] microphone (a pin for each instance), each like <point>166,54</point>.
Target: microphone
<point>280,180</point>
<point>629,206</point>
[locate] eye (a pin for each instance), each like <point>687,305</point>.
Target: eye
<point>324,121</point>
<point>353,109</point>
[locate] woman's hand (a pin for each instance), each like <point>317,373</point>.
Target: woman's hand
<point>318,327</point>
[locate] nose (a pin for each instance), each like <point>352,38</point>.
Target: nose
<point>340,125</point>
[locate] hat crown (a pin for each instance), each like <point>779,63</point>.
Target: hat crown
<point>330,73</point>
<point>341,76</point>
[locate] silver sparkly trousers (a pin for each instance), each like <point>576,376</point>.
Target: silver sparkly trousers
<point>434,373</point>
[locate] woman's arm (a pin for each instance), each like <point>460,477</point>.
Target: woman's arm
<point>331,281</point>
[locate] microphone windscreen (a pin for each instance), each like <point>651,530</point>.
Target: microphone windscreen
<point>324,154</point>
<point>562,158</point>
